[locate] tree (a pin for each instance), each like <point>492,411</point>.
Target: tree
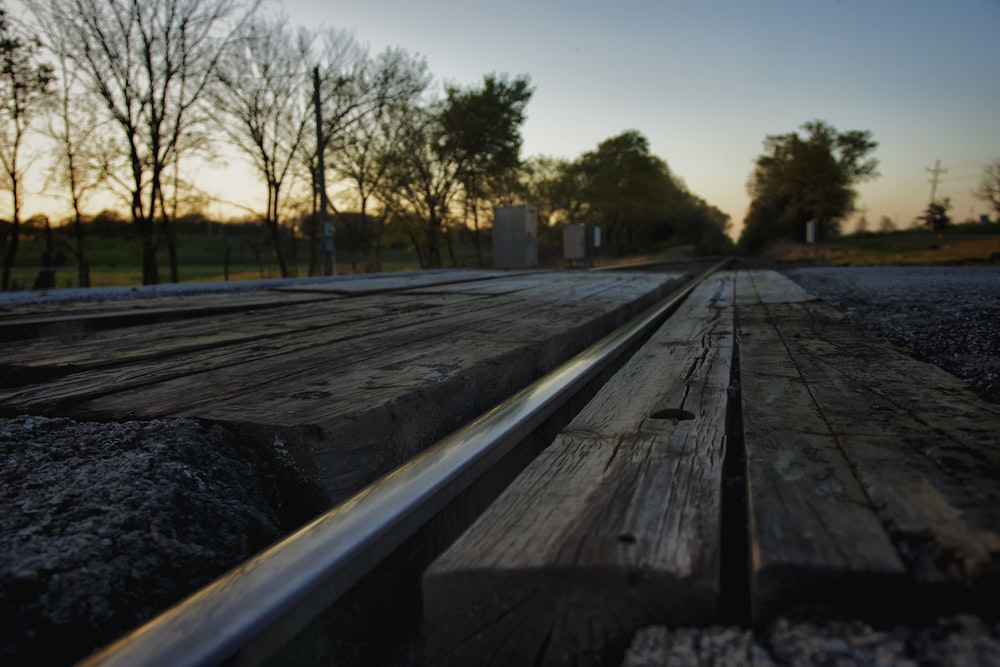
<point>482,133</point>
<point>625,186</point>
<point>79,166</point>
<point>555,186</point>
<point>640,204</point>
<point>421,183</point>
<point>935,216</point>
<point>150,63</point>
<point>989,186</point>
<point>628,192</point>
<point>25,82</point>
<point>395,80</point>
<point>802,178</point>
<point>264,94</point>
<point>444,148</point>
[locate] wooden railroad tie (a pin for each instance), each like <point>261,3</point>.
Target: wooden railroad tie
<point>871,487</point>
<point>614,526</point>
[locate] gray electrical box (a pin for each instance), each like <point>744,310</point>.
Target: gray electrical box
<point>515,237</point>
<point>575,245</point>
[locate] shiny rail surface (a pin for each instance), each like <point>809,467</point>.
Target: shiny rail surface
<point>254,610</point>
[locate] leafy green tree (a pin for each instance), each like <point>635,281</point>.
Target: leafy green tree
<point>25,85</point>
<point>806,177</point>
<point>555,186</point>
<point>421,184</point>
<point>625,187</point>
<point>640,204</point>
<point>449,148</point>
<point>482,133</point>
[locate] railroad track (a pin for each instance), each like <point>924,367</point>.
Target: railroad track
<point>734,452</point>
<point>345,587</point>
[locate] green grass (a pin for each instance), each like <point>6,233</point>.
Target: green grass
<point>114,260</point>
<point>962,244</point>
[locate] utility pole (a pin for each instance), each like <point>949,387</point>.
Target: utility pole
<point>935,172</point>
<point>329,260</point>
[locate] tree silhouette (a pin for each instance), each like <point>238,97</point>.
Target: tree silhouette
<point>989,186</point>
<point>935,216</point>
<point>150,64</point>
<point>802,178</point>
<point>25,82</point>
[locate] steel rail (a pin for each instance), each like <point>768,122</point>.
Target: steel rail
<point>255,608</point>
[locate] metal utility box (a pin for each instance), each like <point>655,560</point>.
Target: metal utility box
<point>575,245</point>
<point>515,237</point>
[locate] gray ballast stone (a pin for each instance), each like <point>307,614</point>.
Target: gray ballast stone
<point>105,525</point>
<point>956,641</point>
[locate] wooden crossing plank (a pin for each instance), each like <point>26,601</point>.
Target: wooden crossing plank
<point>407,280</point>
<point>872,476</point>
<point>615,526</point>
<point>53,319</point>
<point>323,342</point>
<point>813,533</point>
<point>361,383</point>
<point>259,333</point>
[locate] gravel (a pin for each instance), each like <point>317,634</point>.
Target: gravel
<point>821,640</point>
<point>105,525</point>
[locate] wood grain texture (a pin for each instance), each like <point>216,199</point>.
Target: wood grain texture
<point>813,533</point>
<point>872,476</point>
<point>363,383</point>
<point>614,525</point>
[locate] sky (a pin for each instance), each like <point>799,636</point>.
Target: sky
<point>707,80</point>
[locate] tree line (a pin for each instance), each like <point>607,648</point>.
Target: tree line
<point>811,175</point>
<point>131,95</point>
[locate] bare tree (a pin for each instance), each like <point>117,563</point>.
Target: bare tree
<point>340,66</point>
<point>395,81</point>
<point>150,62</point>
<point>77,129</point>
<point>989,186</point>
<point>25,82</point>
<point>264,95</point>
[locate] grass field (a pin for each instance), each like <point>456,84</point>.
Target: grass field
<point>114,258</point>
<point>972,244</point>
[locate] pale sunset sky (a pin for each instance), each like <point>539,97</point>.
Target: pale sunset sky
<point>706,80</point>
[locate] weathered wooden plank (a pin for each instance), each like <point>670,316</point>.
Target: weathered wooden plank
<point>42,359</point>
<point>924,447</point>
<point>31,320</point>
<point>321,344</point>
<point>614,525</point>
<point>407,280</point>
<point>814,535</point>
<point>55,318</point>
<point>765,287</point>
<point>363,395</point>
<point>872,476</point>
<point>258,332</point>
